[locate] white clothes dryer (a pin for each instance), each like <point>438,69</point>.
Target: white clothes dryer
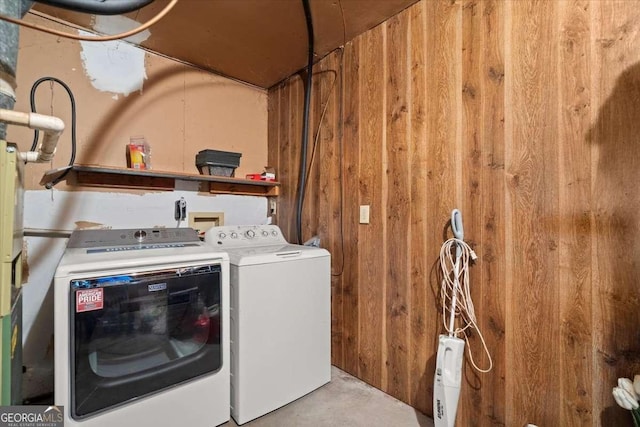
<point>280,318</point>
<point>142,330</point>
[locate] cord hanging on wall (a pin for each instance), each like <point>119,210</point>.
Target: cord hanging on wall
<point>36,133</point>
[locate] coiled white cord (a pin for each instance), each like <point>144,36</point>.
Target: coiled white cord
<point>455,257</point>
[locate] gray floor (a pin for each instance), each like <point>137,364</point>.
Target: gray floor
<point>345,401</point>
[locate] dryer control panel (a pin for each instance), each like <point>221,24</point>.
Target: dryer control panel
<point>240,236</point>
<point>131,237</point>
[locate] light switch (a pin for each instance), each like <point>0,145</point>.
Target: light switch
<point>364,214</point>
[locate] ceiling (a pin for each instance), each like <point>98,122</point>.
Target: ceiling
<point>256,41</point>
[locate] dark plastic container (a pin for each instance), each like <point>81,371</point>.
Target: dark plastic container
<point>215,162</point>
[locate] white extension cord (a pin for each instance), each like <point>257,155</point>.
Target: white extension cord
<point>455,257</point>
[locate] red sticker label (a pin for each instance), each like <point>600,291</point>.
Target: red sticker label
<point>89,299</point>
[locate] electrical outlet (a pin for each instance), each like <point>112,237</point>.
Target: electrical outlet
<point>272,206</point>
<point>364,214</point>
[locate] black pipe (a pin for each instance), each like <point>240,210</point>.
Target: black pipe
<point>305,122</point>
<point>99,7</point>
<point>36,133</point>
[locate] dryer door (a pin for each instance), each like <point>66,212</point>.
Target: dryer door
<point>133,335</point>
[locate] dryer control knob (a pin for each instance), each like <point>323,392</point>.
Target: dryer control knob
<point>250,234</point>
<point>265,233</point>
<point>234,235</point>
<point>274,233</point>
<point>221,235</point>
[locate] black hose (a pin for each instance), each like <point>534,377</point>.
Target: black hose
<point>100,7</point>
<point>305,122</point>
<point>36,133</point>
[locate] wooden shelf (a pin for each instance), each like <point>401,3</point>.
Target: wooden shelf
<point>104,176</point>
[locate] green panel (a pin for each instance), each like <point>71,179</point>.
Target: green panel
<point>10,220</point>
<point>5,360</point>
<point>7,199</point>
<point>16,351</point>
<point>11,355</point>
<point>11,237</point>
<point>6,282</point>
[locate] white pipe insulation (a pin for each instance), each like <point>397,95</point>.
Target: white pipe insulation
<point>50,125</point>
<point>6,89</point>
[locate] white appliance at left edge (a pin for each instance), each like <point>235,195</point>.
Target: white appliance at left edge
<point>142,330</point>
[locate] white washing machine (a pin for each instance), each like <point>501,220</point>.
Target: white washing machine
<point>280,318</point>
<point>142,330</point>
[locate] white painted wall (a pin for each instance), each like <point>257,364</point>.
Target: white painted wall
<point>115,66</point>
<point>64,210</point>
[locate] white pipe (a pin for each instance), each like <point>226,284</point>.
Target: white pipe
<point>6,88</point>
<point>46,232</point>
<point>50,125</point>
<point>52,128</point>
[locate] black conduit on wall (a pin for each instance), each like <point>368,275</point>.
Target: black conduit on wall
<point>98,7</point>
<point>36,133</point>
<point>305,123</point>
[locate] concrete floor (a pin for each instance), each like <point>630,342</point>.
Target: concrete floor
<point>345,401</point>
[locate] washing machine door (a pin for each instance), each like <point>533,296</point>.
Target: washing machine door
<point>133,335</point>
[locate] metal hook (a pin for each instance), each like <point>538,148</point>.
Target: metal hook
<point>456,224</point>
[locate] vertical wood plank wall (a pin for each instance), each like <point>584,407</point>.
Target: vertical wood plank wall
<point>526,116</point>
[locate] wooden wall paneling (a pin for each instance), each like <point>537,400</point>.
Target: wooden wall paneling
<point>509,361</point>
<point>312,202</point>
<point>491,251</point>
<point>296,107</point>
<point>616,308</point>
<point>526,115</point>
<point>602,82</point>
<point>324,153</point>
<point>384,192</point>
<point>439,178</point>
<point>335,207</point>
<point>532,223</point>
<point>420,373</point>
<point>286,205</point>
<point>273,108</point>
<point>329,194</point>
<point>371,269</point>
<point>574,243</point>
<point>335,121</point>
<point>350,98</point>
<point>471,151</point>
<point>441,115</point>
<point>398,208</point>
<point>317,210</point>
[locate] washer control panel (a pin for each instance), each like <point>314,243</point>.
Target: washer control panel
<point>238,236</point>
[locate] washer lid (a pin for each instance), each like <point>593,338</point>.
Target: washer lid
<point>273,254</point>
